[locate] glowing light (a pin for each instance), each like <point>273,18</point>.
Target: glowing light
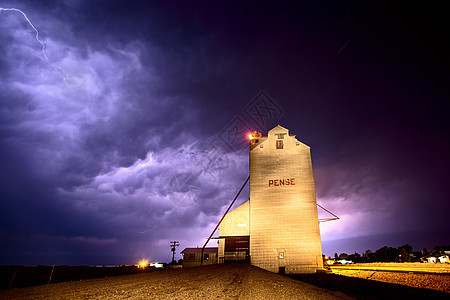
<point>143,263</point>
<point>254,135</point>
<point>156,265</point>
<point>37,39</point>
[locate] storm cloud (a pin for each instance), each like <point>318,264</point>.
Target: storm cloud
<point>112,136</point>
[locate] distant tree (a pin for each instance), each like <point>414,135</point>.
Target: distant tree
<point>356,258</point>
<point>415,256</point>
<point>438,251</point>
<point>367,252</point>
<point>336,257</point>
<point>343,256</point>
<point>403,256</point>
<point>407,248</point>
<point>425,252</point>
<point>441,248</point>
<point>386,254</point>
<point>180,261</point>
<point>404,253</point>
<point>368,256</point>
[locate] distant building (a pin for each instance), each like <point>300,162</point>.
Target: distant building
<point>344,262</point>
<point>278,228</point>
<point>442,258</point>
<point>192,256</point>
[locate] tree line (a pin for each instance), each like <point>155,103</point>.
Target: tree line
<point>403,253</point>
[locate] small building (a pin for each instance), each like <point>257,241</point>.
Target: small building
<point>345,262</point>
<point>192,256</point>
<point>156,265</point>
<point>444,258</point>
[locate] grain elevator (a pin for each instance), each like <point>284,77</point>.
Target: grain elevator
<point>277,229</point>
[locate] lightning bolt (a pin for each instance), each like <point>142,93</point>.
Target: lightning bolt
<point>38,40</point>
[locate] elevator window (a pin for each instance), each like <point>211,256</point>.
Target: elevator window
<point>279,144</point>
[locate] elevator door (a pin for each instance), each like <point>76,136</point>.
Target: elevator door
<point>237,249</point>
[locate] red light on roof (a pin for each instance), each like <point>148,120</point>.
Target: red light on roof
<point>254,135</point>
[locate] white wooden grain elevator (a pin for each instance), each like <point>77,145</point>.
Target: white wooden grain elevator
<point>277,229</point>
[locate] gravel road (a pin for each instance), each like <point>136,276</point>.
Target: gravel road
<point>229,281</point>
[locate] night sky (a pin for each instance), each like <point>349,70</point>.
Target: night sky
<point>124,132</point>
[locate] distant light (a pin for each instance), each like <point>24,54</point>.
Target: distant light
<point>143,263</point>
<point>254,135</point>
<point>156,265</point>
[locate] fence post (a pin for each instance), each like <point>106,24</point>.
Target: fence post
<point>51,275</point>
<point>10,284</point>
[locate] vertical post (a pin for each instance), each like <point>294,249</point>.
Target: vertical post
<point>51,273</point>
<point>201,257</point>
<point>12,280</point>
<point>173,256</point>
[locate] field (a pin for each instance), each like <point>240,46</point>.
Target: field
<point>24,276</point>
<point>229,281</point>
<point>419,275</point>
<point>400,267</point>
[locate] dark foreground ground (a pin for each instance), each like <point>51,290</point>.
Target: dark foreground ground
<point>359,288</point>
<point>231,281</point>
<point>23,276</point>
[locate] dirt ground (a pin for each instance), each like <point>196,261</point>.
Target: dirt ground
<point>406,267</point>
<point>419,275</point>
<point>363,288</point>
<point>230,281</point>
<point>27,276</point>
<point>437,282</point>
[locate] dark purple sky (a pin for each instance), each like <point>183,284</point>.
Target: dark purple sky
<point>137,97</point>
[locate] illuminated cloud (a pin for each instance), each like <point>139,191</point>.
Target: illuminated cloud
<point>123,155</point>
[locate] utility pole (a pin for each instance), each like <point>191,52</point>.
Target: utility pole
<point>173,245</point>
